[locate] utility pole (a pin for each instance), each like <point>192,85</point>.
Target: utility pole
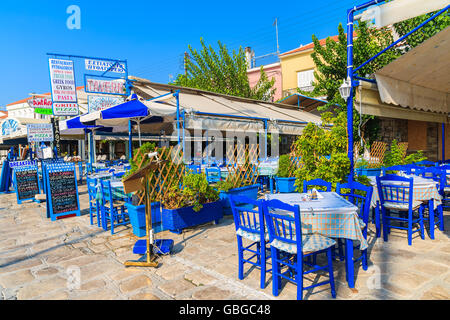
<point>276,32</point>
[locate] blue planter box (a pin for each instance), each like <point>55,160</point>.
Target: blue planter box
<point>247,191</point>
<point>137,218</point>
<point>176,220</point>
<point>369,172</point>
<point>285,185</point>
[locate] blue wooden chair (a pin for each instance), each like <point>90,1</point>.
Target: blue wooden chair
<point>398,198</point>
<point>437,216</point>
<point>361,196</point>
<point>80,170</point>
<point>94,207</point>
<point>212,174</point>
<point>112,210</point>
<point>249,224</point>
<point>316,183</point>
<point>426,163</point>
<point>194,168</point>
<point>289,247</point>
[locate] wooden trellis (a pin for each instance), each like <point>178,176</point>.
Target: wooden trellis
<point>169,174</point>
<point>404,147</point>
<point>377,151</point>
<point>242,165</point>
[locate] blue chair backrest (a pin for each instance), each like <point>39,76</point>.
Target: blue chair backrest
<point>395,168</point>
<point>250,220</point>
<point>106,191</point>
<point>437,174</point>
<point>425,163</point>
<point>316,183</point>
<point>194,168</point>
<point>212,174</point>
<point>397,193</point>
<point>92,188</point>
<point>283,222</point>
<point>360,195</point>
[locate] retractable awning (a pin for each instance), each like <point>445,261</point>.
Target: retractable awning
<point>419,79</point>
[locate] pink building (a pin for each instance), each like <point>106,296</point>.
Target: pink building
<point>272,71</point>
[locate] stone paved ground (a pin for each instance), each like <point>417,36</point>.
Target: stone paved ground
<point>36,255</point>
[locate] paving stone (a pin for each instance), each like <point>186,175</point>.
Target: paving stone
<point>199,278</point>
<point>36,289</point>
<point>16,279</point>
<point>94,284</point>
<point>45,272</point>
<point>126,273</point>
<point>174,288</point>
<point>58,295</point>
<point>20,264</point>
<point>135,283</point>
<point>171,271</point>
<point>408,280</point>
<point>144,296</point>
<point>431,268</point>
<point>211,293</point>
<point>436,293</point>
<point>104,294</point>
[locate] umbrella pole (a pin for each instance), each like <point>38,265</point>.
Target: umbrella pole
<point>139,133</point>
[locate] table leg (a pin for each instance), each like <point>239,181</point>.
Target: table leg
<point>431,217</point>
<point>350,268</point>
<point>271,184</point>
<point>377,219</point>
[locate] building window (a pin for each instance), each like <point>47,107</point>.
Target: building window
<point>305,80</point>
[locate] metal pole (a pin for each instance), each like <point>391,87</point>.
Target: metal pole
<point>178,116</point>
<point>350,98</point>
<point>130,140</point>
<point>443,141</point>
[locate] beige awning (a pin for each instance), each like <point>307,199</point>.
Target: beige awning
<point>419,79</point>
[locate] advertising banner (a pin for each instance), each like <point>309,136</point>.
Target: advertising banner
<point>38,132</point>
<point>65,109</point>
<point>41,105</point>
<point>102,66</point>
<point>99,103</point>
<point>111,86</point>
<point>62,80</point>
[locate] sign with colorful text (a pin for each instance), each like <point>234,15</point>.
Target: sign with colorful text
<point>38,132</point>
<point>110,86</point>
<point>99,103</point>
<point>102,66</point>
<point>65,109</point>
<point>41,105</point>
<point>62,79</point>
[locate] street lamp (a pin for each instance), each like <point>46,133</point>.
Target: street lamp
<point>345,89</point>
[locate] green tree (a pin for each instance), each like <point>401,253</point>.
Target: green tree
<point>430,29</point>
<point>224,73</point>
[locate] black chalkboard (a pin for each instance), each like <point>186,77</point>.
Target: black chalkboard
<point>63,191</point>
<point>27,185</point>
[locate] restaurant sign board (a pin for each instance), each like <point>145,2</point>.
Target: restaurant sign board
<point>41,105</point>
<point>107,85</point>
<point>103,66</point>
<point>98,103</point>
<point>38,132</point>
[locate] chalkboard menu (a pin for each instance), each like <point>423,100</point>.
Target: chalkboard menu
<point>62,191</point>
<point>26,182</point>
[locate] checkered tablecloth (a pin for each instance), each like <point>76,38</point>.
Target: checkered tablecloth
<point>424,190</point>
<point>331,216</point>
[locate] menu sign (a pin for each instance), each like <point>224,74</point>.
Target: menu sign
<point>38,132</point>
<point>27,185</point>
<point>65,109</point>
<point>63,191</point>
<point>62,80</point>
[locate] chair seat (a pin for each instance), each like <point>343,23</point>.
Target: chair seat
<point>401,206</point>
<point>116,204</point>
<point>310,243</point>
<point>252,236</point>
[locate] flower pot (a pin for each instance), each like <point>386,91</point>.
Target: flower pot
<point>176,220</point>
<point>247,191</point>
<point>369,172</point>
<point>285,185</point>
<point>137,218</point>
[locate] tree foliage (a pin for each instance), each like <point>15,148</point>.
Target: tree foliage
<point>224,73</point>
<point>428,30</point>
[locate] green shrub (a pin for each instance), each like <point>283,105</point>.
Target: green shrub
<point>285,167</point>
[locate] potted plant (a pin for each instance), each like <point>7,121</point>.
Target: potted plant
<point>285,178</point>
<point>196,202</point>
<point>237,183</point>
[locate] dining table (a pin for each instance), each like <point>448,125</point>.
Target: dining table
<point>331,216</point>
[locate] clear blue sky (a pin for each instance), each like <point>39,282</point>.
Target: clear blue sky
<point>151,35</point>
